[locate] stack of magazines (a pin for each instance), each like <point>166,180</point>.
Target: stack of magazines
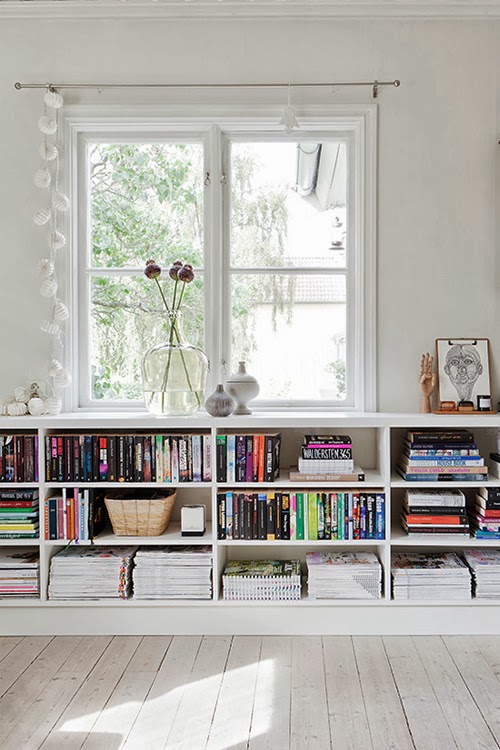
<point>173,572</point>
<point>343,575</point>
<point>91,573</point>
<point>485,566</point>
<point>262,580</point>
<point>434,576</point>
<point>19,572</point>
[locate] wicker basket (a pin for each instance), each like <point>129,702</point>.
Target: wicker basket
<point>138,513</point>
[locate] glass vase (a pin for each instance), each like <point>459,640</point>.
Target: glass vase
<point>174,374</point>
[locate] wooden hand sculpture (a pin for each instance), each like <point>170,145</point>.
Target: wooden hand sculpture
<point>427,382</point>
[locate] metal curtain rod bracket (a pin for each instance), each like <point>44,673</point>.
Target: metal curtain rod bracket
<point>375,85</point>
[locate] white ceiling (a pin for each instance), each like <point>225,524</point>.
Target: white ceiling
<point>253,8</point>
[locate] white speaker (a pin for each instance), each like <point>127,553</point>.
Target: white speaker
<point>192,520</point>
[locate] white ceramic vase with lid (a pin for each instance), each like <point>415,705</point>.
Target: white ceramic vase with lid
<point>243,388</point>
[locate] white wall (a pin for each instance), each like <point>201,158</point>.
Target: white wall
<point>437,274</point>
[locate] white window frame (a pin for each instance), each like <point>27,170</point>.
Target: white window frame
<point>217,127</point>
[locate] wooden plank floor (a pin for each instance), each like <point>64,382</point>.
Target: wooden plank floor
<point>261,693</point>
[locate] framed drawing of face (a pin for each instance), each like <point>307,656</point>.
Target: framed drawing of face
<point>463,369</point>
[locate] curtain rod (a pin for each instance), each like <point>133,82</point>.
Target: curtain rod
<point>375,85</point>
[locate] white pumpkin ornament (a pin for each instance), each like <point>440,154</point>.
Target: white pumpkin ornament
<point>60,201</point>
<point>54,406</point>
<point>36,406</point>
<point>53,99</point>
<point>57,240</point>
<point>48,287</point>
<point>48,326</point>
<point>42,178</point>
<point>47,124</point>
<point>16,409</point>
<point>48,151</point>
<point>61,312</point>
<point>42,216</point>
<point>21,395</point>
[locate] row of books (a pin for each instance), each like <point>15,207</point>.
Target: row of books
<point>437,455</point>
<point>19,458</point>
<point>74,515</point>
<point>248,458</point>
<point>128,458</point>
<point>300,516</point>
<point>19,573</point>
<point>19,514</point>
<point>173,572</point>
<point>434,511</point>
<point>444,576</point>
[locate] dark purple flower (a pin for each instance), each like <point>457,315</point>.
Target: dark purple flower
<point>152,270</point>
<point>186,273</point>
<point>174,270</point>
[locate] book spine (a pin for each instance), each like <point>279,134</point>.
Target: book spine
<point>277,496</point>
<point>262,515</point>
<point>189,454</point>
<point>46,519</point>
<point>183,460</point>
<point>52,518</point>
<point>255,518</point>
<point>412,477</point>
<point>86,514</point>
<point>248,517</point>
<point>231,458</point>
<point>269,458</point>
<point>174,458</point>
<point>362,524</point>
<point>159,458</point>
<point>255,458</point>
<point>249,458</point>
<point>221,516</point>
<point>285,516</point>
<point>236,515</point>
<point>293,516</point>
<point>240,458</point>
<point>312,516</point>
<point>103,459</point>
<point>334,514</point>
<point>271,517</point>
<point>221,458</point>
<point>321,515</point>
<point>229,515</point>
<point>111,451</point>
<point>138,470</point>
<point>300,516</point>
<point>207,458</point>
<point>380,516</point>
<point>327,454</point>
<point>197,458</point>
<point>167,458</point>
<point>95,458</point>
<point>146,458</point>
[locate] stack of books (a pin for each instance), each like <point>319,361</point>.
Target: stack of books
<point>74,514</point>
<point>262,580</point>
<point>436,576</point>
<point>248,458</point>
<point>19,514</point>
<point>19,458</point>
<point>343,575</point>
<point>300,515</point>
<point>435,512</point>
<point>19,573</point>
<point>91,573</point>
<point>485,567</point>
<point>437,455</point>
<point>173,572</point>
<point>326,458</point>
<point>485,519</point>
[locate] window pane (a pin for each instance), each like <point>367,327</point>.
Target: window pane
<point>146,200</point>
<point>291,331</point>
<point>127,317</point>
<point>288,204</point>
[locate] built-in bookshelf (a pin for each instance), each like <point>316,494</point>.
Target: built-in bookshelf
<point>377,440</point>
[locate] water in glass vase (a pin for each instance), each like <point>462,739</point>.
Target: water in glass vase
<point>174,374</point>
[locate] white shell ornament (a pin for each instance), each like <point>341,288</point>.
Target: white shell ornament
<point>48,326</point>
<point>47,124</point>
<point>42,216</point>
<point>48,287</point>
<point>57,240</point>
<point>47,267</point>
<point>61,312</point>
<point>60,201</point>
<point>36,406</point>
<point>16,409</point>
<point>53,99</point>
<point>54,406</point>
<point>55,367</point>
<point>42,178</point>
<point>48,151</point>
<point>22,395</point>
<point>63,378</point>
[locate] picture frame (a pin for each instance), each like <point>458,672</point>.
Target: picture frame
<point>463,366</point>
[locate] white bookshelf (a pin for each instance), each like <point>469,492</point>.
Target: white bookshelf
<point>377,440</point>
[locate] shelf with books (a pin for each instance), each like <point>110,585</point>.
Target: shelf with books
<point>398,481</point>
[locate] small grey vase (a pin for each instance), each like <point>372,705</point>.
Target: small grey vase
<point>220,403</point>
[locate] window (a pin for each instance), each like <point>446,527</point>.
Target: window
<point>279,230</point>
